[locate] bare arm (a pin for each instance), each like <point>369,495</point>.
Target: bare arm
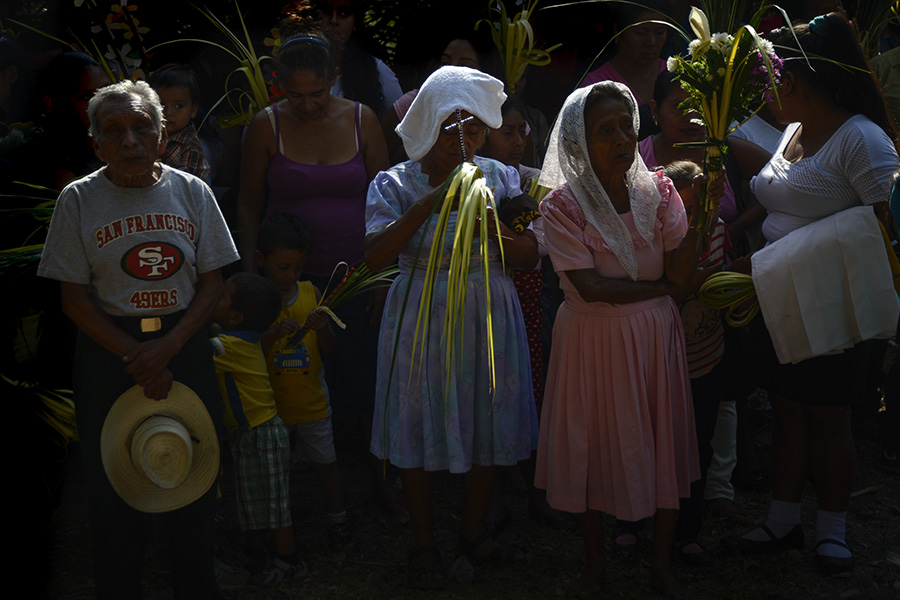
<point>680,264</point>
<point>84,311</point>
<point>258,150</point>
<point>268,338</point>
<point>375,152</point>
<point>78,305</point>
<point>149,360</point>
<point>592,287</point>
<point>750,158</point>
<point>320,323</point>
<point>383,247</point>
<point>519,249</point>
<point>750,217</point>
<point>701,274</point>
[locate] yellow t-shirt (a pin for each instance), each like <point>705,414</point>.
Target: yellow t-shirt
<point>296,372</point>
<point>243,380</point>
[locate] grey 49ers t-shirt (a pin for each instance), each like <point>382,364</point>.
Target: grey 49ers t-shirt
<point>138,249</point>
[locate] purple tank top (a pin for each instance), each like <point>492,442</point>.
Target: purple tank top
<point>330,199</point>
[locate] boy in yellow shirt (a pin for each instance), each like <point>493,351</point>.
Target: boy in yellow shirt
<point>295,365</point>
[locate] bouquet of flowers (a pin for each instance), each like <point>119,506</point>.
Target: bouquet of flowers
<point>728,77</point>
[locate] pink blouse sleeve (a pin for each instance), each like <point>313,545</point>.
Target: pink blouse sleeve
<point>564,235</point>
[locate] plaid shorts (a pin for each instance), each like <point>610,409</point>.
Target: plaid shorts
<point>262,460</point>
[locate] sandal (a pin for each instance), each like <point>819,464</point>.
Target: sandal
<point>500,556</point>
<point>427,574</point>
<point>693,554</point>
<point>835,565</point>
<point>793,539</point>
<point>500,525</point>
<point>625,550</point>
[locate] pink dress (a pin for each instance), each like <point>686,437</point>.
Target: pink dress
<point>617,427</point>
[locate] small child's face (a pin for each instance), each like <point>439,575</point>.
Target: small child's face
<point>223,314</point>
<point>179,108</point>
<point>283,266</point>
<point>507,144</point>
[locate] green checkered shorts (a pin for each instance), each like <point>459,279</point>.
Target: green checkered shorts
<point>262,461</point>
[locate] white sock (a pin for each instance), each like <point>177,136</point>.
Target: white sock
<point>783,517</point>
<point>831,526</point>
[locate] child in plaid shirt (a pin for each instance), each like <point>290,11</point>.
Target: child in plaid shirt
<point>180,94</point>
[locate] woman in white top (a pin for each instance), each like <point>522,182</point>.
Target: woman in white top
<point>838,152</point>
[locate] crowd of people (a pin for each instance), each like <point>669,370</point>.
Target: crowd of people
<point>629,408</point>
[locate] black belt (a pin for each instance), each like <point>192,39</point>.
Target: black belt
<point>147,324</point>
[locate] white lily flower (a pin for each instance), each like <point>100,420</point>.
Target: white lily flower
<point>700,24</point>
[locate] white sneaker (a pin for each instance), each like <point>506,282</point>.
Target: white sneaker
<point>230,576</point>
<point>278,571</point>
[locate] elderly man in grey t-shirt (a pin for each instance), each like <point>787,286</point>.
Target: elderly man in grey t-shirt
<point>137,248</point>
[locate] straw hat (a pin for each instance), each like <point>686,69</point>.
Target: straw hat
<point>159,456</point>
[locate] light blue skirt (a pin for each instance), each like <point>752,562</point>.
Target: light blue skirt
<point>416,423</point>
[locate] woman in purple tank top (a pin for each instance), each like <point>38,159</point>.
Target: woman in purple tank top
<point>313,155</point>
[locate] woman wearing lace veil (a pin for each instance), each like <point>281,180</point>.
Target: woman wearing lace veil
<point>617,433</point>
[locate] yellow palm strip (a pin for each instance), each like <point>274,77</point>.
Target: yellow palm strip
<point>469,185</point>
<point>458,275</point>
<point>726,88</point>
<point>434,262</point>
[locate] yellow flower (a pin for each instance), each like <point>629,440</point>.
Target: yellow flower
<point>274,41</point>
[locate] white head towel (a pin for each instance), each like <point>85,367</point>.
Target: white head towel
<point>443,92</point>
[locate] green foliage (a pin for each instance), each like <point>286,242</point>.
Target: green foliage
<point>870,18</point>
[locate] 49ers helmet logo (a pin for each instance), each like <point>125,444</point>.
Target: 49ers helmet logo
<point>153,261</point>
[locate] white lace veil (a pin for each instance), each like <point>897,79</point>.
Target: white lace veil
<point>567,161</point>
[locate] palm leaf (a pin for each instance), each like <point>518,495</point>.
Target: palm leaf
<point>249,65</point>
<point>467,183</point>
<point>357,280</point>
<point>514,38</point>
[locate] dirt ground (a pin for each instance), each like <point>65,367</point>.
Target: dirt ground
<point>375,567</point>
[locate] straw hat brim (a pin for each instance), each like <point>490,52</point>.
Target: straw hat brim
<point>129,411</point>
